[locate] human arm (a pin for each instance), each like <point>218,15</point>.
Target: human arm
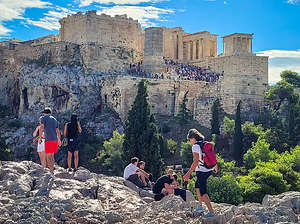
<point>36,131</point>
<point>79,127</point>
<point>186,177</point>
<point>58,136</point>
<point>144,172</point>
<point>41,130</point>
<point>65,130</point>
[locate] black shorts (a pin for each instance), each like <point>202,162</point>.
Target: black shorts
<point>134,178</point>
<point>73,144</point>
<point>201,181</point>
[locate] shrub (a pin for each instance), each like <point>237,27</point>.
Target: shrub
<point>225,189</point>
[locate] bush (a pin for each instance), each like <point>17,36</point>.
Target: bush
<point>224,167</point>
<point>263,179</point>
<point>110,158</point>
<point>172,146</point>
<point>5,152</point>
<point>224,189</point>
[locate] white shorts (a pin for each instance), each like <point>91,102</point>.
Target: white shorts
<point>41,146</point>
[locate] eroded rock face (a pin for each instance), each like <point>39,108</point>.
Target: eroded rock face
<point>30,194</point>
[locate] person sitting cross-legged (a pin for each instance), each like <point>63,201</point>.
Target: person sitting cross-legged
<point>133,174</point>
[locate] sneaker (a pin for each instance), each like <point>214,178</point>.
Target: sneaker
<point>69,170</point>
<point>209,215</point>
<point>75,169</point>
<point>199,209</point>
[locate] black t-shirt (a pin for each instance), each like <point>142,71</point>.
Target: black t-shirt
<point>160,183</point>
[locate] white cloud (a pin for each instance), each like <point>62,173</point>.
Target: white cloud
<point>50,21</point>
<point>118,2</point>
<point>145,15</point>
<point>15,9</point>
<point>293,1</point>
<point>280,60</point>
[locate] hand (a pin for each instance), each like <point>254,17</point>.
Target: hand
<point>59,142</point>
<point>215,170</point>
<point>186,178</point>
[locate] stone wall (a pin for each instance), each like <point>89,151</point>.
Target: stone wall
<point>104,29</point>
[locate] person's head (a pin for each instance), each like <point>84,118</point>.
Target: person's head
<point>141,165</point>
<point>194,136</point>
<point>47,110</point>
<point>74,118</point>
<point>134,160</point>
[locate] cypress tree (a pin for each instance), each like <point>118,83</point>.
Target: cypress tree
<point>184,114</point>
<point>142,134</point>
<point>215,123</point>
<point>238,136</point>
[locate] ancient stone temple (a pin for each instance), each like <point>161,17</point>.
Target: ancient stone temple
<point>108,47</point>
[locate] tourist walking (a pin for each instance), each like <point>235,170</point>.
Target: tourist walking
<point>71,131</point>
<point>40,144</point>
<point>49,126</point>
<point>202,172</point>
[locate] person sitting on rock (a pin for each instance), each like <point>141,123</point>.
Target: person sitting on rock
<point>146,178</point>
<point>135,175</point>
<point>166,185</point>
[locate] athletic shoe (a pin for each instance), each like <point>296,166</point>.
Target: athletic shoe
<point>69,170</point>
<point>75,169</point>
<point>199,209</point>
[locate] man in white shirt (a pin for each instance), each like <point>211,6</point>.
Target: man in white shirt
<point>133,173</point>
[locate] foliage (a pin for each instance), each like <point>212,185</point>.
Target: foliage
<point>142,136</point>
<point>226,167</point>
<point>228,126</point>
<point>5,152</point>
<point>263,179</point>
<point>238,135</point>
<point>186,153</point>
<point>172,146</point>
<point>88,148</point>
<point>224,189</point>
<point>260,151</point>
<point>291,77</point>
<point>251,133</point>
<point>184,114</point>
<point>110,158</point>
<point>215,123</point>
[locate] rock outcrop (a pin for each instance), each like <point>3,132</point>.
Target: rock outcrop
<point>30,194</point>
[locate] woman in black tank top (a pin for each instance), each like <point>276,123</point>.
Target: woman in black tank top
<point>71,131</point>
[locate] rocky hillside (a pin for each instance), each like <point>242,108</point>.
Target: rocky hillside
<point>30,194</point>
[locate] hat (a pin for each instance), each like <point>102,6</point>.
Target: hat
<point>47,110</point>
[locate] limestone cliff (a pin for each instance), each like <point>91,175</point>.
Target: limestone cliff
<point>29,194</point>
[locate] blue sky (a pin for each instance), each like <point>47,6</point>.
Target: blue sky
<point>275,23</point>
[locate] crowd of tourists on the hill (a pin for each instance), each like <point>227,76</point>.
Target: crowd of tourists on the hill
<point>48,139</point>
<point>177,71</point>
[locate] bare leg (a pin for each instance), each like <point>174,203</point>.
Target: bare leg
<point>42,159</point>
<point>69,159</point>
<point>142,177</point>
<point>76,159</point>
<point>199,196</point>
<point>50,162</point>
<point>206,200</point>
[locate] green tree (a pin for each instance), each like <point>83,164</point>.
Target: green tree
<point>186,153</point>
<point>110,158</point>
<point>238,136</point>
<point>184,114</point>
<point>228,126</point>
<point>260,151</point>
<point>291,77</point>
<point>251,133</point>
<point>142,136</point>
<point>172,146</point>
<point>215,121</point>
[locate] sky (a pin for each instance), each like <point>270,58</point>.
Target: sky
<point>275,23</point>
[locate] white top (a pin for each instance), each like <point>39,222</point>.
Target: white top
<point>200,167</point>
<point>129,170</point>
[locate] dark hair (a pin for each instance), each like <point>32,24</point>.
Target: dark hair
<point>47,110</point>
<point>134,160</point>
<point>158,197</point>
<point>175,177</point>
<point>73,126</point>
<point>140,163</point>
<point>194,133</point>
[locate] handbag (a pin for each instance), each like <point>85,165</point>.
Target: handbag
<point>64,142</point>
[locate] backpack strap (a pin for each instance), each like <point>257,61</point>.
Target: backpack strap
<point>201,145</point>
